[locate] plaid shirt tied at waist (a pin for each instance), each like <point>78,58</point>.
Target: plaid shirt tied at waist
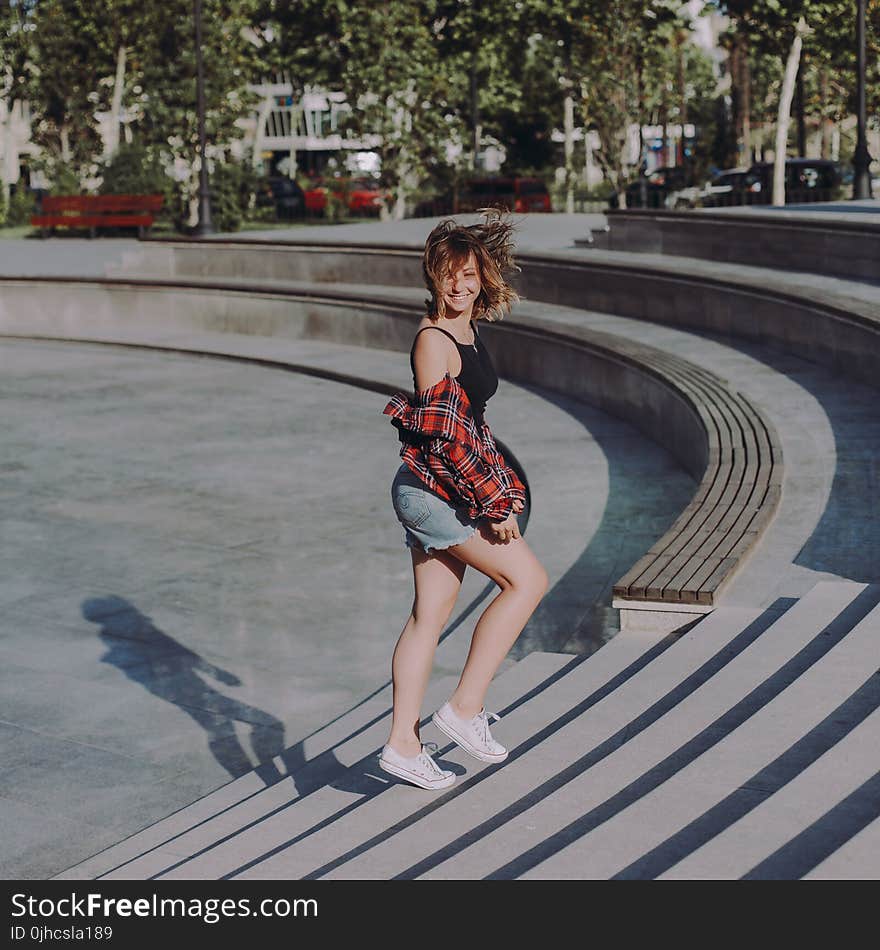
<point>451,454</point>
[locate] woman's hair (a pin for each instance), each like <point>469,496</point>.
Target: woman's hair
<point>447,249</point>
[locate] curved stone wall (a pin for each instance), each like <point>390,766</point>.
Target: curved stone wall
<point>837,333</point>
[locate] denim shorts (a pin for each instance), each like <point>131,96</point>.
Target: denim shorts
<point>430,522</point>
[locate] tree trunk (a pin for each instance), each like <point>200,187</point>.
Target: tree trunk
<point>784,114</point>
<point>568,113</point>
<point>116,104</point>
<point>799,109</point>
<point>746,90</point>
<point>827,124</point>
<point>398,212</point>
<point>476,131</point>
<point>681,38</point>
<point>64,138</point>
<point>10,153</point>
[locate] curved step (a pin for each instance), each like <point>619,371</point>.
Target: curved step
<point>734,450</point>
<point>652,755</point>
<point>340,766</point>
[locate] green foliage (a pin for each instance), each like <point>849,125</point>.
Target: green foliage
<point>65,181</point>
<point>65,84</point>
<point>76,49</point>
<point>402,89</point>
<point>135,170</point>
<point>828,59</point>
<point>422,77</point>
<point>20,207</point>
<point>233,186</point>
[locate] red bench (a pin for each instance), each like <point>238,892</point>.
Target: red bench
<point>97,211</point>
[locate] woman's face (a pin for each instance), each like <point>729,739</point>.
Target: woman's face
<point>461,288</point>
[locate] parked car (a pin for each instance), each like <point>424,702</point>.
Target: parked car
<point>361,196</point>
<point>284,194</point>
<point>512,193</point>
<point>806,180</point>
<point>670,186</point>
<point>728,187</point>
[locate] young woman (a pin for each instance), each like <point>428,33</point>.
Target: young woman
<point>457,499</point>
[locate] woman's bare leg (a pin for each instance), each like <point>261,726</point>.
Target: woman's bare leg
<point>437,578</point>
<point>523,582</point>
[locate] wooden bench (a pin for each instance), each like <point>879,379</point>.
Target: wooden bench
<point>736,499</point>
<point>98,211</point>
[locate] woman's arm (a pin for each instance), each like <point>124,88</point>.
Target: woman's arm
<point>431,359</point>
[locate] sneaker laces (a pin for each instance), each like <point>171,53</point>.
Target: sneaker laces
<point>481,724</point>
<point>425,757</point>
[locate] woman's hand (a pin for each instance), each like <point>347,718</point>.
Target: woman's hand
<point>518,506</point>
<point>505,531</point>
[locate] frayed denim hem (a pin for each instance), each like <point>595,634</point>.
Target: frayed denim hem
<point>411,542</point>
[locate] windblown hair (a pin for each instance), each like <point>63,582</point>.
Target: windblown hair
<point>447,249</point>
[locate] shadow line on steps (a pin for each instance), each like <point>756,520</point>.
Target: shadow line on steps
<point>809,848</point>
<point>779,680</point>
<point>796,855</point>
<point>460,787</point>
<point>352,778</point>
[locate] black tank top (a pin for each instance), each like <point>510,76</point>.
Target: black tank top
<point>477,377</point>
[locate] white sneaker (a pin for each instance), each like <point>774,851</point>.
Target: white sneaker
<point>419,769</point>
<point>471,734</point>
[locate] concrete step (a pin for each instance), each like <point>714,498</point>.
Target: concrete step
<point>773,816</point>
<point>610,679</point>
<point>631,755</point>
<point>328,752</point>
<point>699,754</point>
<point>855,859</point>
<point>678,685</point>
<point>734,764</point>
<point>245,803</point>
<point>364,827</point>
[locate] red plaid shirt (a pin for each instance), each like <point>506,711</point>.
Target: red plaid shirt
<point>451,454</point>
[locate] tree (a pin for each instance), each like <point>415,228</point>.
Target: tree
<point>821,31</point>
<point>16,73</point>
<point>162,70</point>
<point>618,55</point>
<point>400,88</point>
<point>66,92</point>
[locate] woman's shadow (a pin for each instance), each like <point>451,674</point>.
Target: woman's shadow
<point>175,673</point>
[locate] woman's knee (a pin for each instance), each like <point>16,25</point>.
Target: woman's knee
<point>538,581</point>
<point>433,611</point>
<point>532,581</point>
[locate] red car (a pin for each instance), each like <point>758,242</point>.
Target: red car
<point>514,193</point>
<point>362,196</point>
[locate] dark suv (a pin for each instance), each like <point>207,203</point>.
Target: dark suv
<point>284,194</point>
<point>806,180</point>
<point>670,186</point>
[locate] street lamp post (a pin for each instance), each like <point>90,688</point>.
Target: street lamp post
<point>204,225</point>
<point>861,159</point>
